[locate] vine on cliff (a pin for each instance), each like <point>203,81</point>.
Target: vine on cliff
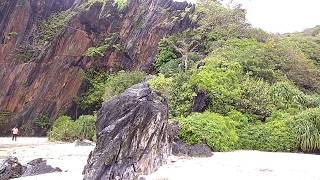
<point>50,28</point>
<point>101,49</point>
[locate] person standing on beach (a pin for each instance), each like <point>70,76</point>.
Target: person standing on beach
<point>15,132</point>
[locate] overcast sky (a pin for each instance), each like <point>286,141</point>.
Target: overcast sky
<point>281,15</point>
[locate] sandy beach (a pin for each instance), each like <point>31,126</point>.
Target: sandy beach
<point>240,165</point>
<point>68,157</point>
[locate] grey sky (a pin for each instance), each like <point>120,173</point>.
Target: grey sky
<point>281,15</point>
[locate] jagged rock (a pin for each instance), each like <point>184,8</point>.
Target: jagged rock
<point>200,102</point>
<point>180,148</point>
<point>173,129</point>
<point>199,150</point>
<point>10,168</point>
<point>44,81</point>
<point>132,136</point>
<point>39,166</point>
<point>83,143</point>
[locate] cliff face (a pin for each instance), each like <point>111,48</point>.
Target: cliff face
<point>45,45</point>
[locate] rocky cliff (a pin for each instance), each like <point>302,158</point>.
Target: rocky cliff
<point>45,45</point>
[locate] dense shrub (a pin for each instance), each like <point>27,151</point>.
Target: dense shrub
<point>306,125</point>
<point>119,82</point>
<point>213,129</point>
<point>161,84</point>
<point>102,86</point>
<point>85,127</point>
<point>65,129</point>
<point>166,53</point>
<point>94,87</point>
<point>285,96</point>
<point>271,136</point>
<point>258,83</point>
<point>222,81</point>
<point>43,122</point>
<point>178,91</point>
<point>255,98</point>
<point>294,64</point>
<point>101,49</point>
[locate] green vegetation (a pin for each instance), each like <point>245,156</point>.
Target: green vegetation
<point>65,129</point>
<point>121,4</point>
<point>26,53</point>
<point>47,30</point>
<point>213,129</point>
<point>43,122</point>
<point>263,90</point>
<point>270,136</point>
<point>118,83</point>
<point>101,49</point>
<point>306,125</point>
<point>4,117</point>
<point>50,28</point>
<point>103,86</point>
<point>91,100</point>
<point>11,35</point>
<point>178,92</point>
<point>21,2</point>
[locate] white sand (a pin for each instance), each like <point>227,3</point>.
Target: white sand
<point>240,165</point>
<point>243,165</point>
<point>66,156</point>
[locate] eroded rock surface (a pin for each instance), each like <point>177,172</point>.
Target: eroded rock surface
<point>132,136</point>
<point>10,168</point>
<point>180,148</point>
<point>39,166</point>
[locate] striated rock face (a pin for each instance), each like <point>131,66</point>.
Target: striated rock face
<point>132,136</point>
<point>43,42</point>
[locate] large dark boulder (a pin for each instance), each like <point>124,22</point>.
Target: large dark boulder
<point>10,168</point>
<point>132,136</point>
<point>39,166</point>
<point>201,102</point>
<point>180,148</point>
